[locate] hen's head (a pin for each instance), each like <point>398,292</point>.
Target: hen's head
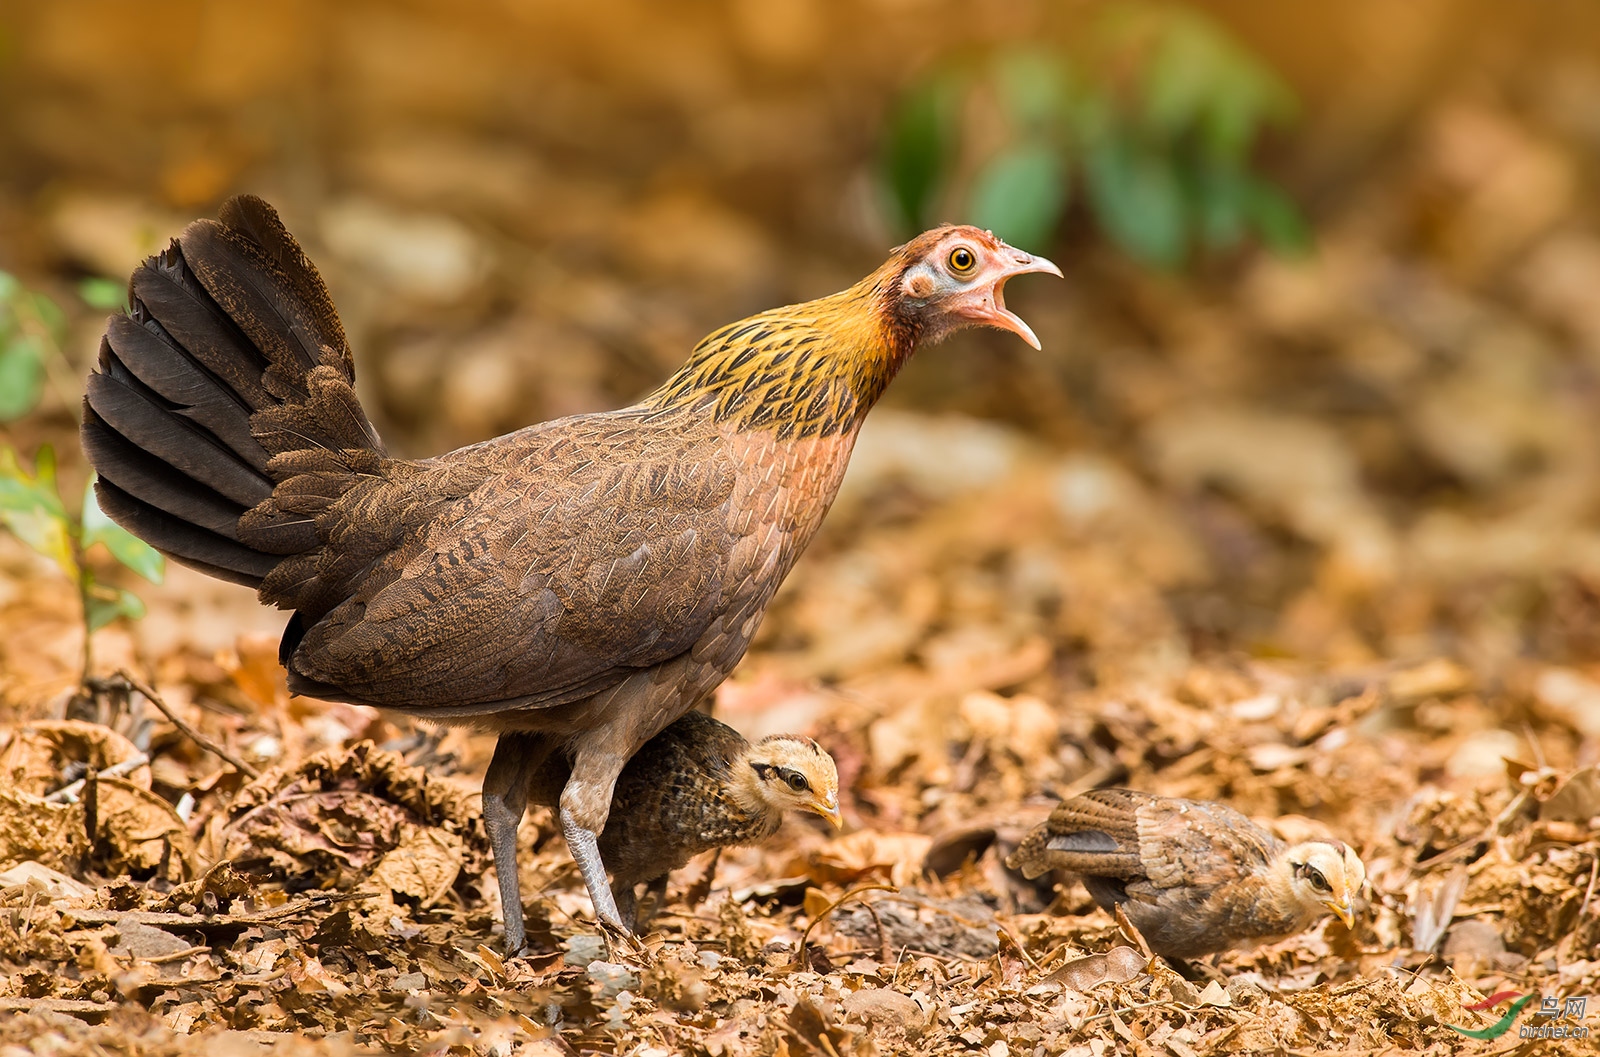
<point>795,773</point>
<point>954,277</point>
<point>1324,876</point>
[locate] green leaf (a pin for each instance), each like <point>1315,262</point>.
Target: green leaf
<point>1277,220</point>
<point>1035,87</point>
<point>127,548</point>
<point>21,377</point>
<point>1020,193</point>
<point>1181,76</point>
<point>1219,197</point>
<point>108,294</point>
<point>49,315</point>
<point>31,507</point>
<point>1136,195</point>
<point>922,138</point>
<point>103,604</point>
<point>1246,98</point>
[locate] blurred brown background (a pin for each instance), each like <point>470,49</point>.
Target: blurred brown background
<point>1385,449</point>
<point>1314,534</point>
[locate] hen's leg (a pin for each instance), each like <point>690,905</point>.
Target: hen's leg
<point>505,798</point>
<point>584,843</point>
<point>636,710</point>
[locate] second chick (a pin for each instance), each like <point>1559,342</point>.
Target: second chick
<point>1193,876</point>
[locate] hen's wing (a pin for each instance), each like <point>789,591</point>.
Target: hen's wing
<point>587,550</point>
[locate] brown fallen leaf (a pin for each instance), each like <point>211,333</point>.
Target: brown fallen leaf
<point>868,853</point>
<point>1576,800</point>
<point>137,832</point>
<point>809,1030</point>
<point>422,866</point>
<point>53,884</point>
<point>333,819</point>
<point>31,829</point>
<point>1116,966</point>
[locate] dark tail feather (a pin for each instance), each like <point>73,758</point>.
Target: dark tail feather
<point>231,358</point>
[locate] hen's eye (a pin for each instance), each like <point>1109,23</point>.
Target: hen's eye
<point>797,781</point>
<point>962,259</point>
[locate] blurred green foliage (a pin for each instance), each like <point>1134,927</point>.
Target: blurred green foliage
<point>1156,115</point>
<point>32,508</point>
<point>32,328</point>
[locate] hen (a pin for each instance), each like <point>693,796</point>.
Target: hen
<point>696,786</point>
<point>1194,877</point>
<point>575,585</point>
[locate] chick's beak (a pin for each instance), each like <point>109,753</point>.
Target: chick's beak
<point>1343,911</point>
<point>985,302</point>
<point>828,808</point>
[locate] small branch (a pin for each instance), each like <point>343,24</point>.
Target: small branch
<point>800,951</point>
<point>883,934</point>
<point>68,794</point>
<point>213,747</point>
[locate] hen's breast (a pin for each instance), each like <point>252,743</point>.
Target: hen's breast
<point>781,492</point>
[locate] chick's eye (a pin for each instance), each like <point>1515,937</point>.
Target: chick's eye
<point>797,781</point>
<point>962,260</point>
<point>1319,882</point>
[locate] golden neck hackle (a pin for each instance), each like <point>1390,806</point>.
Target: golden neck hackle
<point>808,370</point>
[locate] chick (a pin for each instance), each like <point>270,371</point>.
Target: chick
<point>1193,876</point>
<point>696,786</point>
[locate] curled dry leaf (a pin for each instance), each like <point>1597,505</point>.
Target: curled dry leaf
<point>323,838</point>
<point>139,833</point>
<point>39,754</point>
<point>423,865</point>
<point>342,812</point>
<point>809,1030</point>
<point>30,828</point>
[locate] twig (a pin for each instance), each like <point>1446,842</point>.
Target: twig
<point>68,794</point>
<point>178,956</point>
<point>1131,931</point>
<point>883,933</point>
<point>800,951</point>
<point>195,736</point>
<point>1125,1009</point>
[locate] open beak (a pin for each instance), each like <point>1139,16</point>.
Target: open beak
<point>828,809</point>
<point>1343,911</point>
<point>986,303</point>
